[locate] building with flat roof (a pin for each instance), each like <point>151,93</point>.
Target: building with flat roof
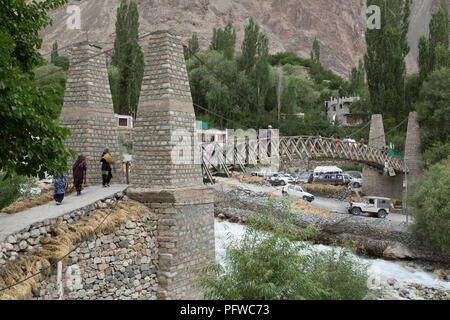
<point>339,109</point>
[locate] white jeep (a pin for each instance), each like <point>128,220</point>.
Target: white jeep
<point>372,205</point>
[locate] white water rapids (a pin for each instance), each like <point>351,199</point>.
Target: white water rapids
<point>379,268</point>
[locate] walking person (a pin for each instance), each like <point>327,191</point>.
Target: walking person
<point>79,173</point>
<point>59,184</point>
<point>361,142</point>
<point>106,160</point>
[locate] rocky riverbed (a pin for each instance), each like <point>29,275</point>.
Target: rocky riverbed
<point>389,280</point>
<point>380,238</point>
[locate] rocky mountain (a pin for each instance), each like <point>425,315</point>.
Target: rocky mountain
<point>291,25</point>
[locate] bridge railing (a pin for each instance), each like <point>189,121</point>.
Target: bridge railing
<point>307,147</point>
<point>272,152</point>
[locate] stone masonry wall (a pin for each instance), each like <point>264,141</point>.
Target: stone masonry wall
<point>88,111</point>
<point>166,174</point>
<point>116,265</point>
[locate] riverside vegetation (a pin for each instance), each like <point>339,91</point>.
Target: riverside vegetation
<point>282,265</point>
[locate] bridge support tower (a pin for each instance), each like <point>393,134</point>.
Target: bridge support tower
<point>166,174</point>
<point>375,183</point>
<point>88,111</point>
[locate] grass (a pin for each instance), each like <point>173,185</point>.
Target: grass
<point>323,188</point>
<point>300,204</point>
<point>54,248</point>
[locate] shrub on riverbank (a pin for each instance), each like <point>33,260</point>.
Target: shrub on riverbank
<point>431,208</point>
<point>271,266</point>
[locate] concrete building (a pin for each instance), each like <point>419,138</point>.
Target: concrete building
<point>339,109</point>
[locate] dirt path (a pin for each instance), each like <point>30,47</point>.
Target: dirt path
<point>319,202</point>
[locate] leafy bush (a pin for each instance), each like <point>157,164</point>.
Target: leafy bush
<point>271,266</point>
<point>436,153</point>
<point>13,188</point>
<point>62,62</point>
<point>431,208</point>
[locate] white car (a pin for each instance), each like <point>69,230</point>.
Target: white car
<point>354,179</point>
<point>281,179</point>
<point>372,205</point>
<point>298,191</point>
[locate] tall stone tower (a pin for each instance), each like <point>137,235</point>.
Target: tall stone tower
<point>88,111</point>
<point>374,182</point>
<point>166,173</point>
<point>412,147</point>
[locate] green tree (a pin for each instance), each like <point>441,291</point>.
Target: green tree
<point>250,46</point>
<point>193,47</point>
<point>433,52</point>
<point>52,81</point>
<point>54,53</point>
<point>433,109</point>
<point>384,60</point>
<point>431,208</point>
<point>31,143</point>
<point>62,62</point>
<point>315,52</point>
<point>128,57</point>
<point>423,59</point>
<point>439,31</point>
<point>357,83</point>
<point>224,40</point>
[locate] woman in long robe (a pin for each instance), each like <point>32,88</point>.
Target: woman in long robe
<point>79,173</point>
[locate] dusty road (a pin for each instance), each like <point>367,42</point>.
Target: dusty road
<point>319,202</point>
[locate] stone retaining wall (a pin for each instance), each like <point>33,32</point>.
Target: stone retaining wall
<point>116,265</point>
<point>120,265</point>
<point>28,239</point>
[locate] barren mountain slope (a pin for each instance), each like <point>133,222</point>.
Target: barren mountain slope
<point>290,24</point>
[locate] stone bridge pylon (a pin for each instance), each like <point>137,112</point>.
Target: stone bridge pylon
<point>88,111</point>
<point>375,182</point>
<point>166,174</point>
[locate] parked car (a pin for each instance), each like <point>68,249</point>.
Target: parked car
<point>326,170</point>
<point>355,178</point>
<point>297,191</point>
<point>305,177</point>
<point>281,179</point>
<point>334,179</point>
<point>372,205</point>
<point>263,174</point>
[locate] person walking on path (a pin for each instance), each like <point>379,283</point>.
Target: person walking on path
<point>59,183</point>
<point>79,173</point>
<point>106,160</point>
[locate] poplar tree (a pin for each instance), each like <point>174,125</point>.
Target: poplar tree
<point>224,40</point>
<point>384,60</point>
<point>433,52</point>
<point>54,53</point>
<point>193,47</point>
<point>128,57</point>
<point>315,53</point>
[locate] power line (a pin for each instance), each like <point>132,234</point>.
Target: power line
<point>93,56</point>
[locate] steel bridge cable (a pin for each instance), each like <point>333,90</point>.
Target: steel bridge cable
<point>93,56</point>
<point>221,78</point>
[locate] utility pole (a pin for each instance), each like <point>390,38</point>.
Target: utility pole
<point>405,185</point>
